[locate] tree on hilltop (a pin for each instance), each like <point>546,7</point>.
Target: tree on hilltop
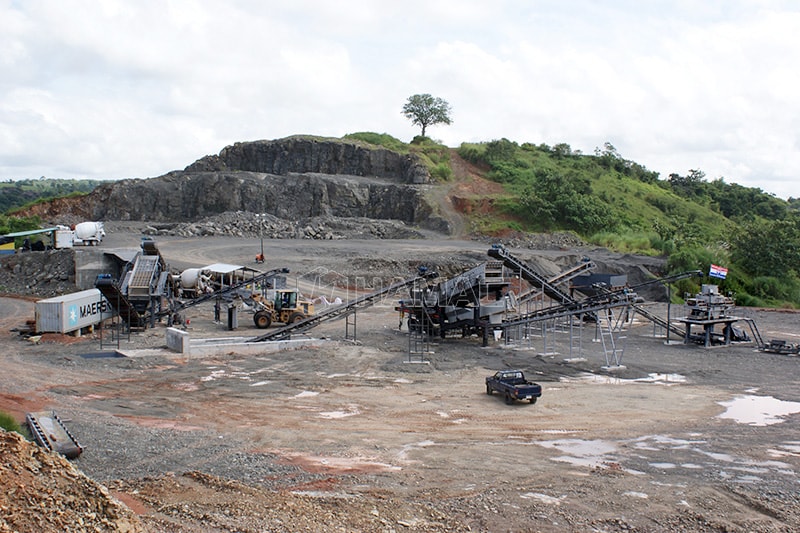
<point>425,110</point>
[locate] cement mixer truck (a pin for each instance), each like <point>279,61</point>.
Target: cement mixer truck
<point>89,233</point>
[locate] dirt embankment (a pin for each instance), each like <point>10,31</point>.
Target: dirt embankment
<point>44,492</point>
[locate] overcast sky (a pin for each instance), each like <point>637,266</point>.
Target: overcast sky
<point>111,89</point>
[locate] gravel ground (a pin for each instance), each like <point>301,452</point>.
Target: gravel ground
<point>350,436</point>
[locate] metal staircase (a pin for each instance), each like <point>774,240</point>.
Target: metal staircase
<point>612,348</point>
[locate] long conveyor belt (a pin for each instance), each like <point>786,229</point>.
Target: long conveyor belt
<point>605,299</point>
<point>339,311</point>
<point>530,275</point>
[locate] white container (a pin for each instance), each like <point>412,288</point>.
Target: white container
<point>64,238</point>
<point>71,312</point>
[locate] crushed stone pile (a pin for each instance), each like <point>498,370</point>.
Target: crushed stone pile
<point>42,491</point>
<point>246,224</point>
<point>42,274</point>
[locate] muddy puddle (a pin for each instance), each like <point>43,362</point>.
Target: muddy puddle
<point>758,410</point>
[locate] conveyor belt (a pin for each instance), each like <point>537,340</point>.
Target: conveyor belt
<point>50,433</point>
<point>339,311</point>
<point>530,275</point>
<point>119,302</point>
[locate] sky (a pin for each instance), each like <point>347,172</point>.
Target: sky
<point>112,89</point>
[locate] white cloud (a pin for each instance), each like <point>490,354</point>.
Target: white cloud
<point>118,89</point>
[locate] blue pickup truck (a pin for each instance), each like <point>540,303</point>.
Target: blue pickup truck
<point>513,386</point>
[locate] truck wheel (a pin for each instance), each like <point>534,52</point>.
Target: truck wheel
<point>295,317</point>
<point>262,320</point>
<point>509,399</point>
<point>533,400</point>
<point>488,389</point>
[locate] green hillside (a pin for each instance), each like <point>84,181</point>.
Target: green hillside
<point>16,194</point>
<point>617,203</point>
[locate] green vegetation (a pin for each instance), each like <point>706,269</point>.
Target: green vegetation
<point>11,224</point>
<point>383,140</point>
<point>9,423</point>
<point>434,155</point>
<point>619,204</point>
<point>425,110</point>
<point>21,193</point>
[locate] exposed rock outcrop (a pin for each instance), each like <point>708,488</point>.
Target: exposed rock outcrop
<point>308,155</point>
<point>296,178</point>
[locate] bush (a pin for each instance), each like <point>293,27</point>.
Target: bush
<point>747,300</point>
<point>441,172</point>
<point>9,423</point>
<point>628,242</point>
<point>379,139</point>
<point>474,153</point>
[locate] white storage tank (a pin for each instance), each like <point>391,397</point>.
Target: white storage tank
<point>71,312</point>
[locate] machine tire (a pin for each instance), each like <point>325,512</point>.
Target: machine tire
<point>509,399</point>
<point>533,400</point>
<point>296,317</point>
<point>262,319</point>
<point>489,390</point>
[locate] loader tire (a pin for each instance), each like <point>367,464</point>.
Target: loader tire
<point>296,317</point>
<point>262,319</point>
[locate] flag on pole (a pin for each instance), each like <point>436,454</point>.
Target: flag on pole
<point>717,272</point>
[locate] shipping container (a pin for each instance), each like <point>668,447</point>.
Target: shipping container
<point>72,312</point>
<point>64,238</point>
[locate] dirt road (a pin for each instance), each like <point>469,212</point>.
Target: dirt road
<point>353,436</point>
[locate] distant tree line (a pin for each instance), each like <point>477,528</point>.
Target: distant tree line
<point>18,193</point>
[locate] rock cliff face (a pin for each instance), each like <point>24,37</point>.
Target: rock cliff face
<point>302,155</point>
<point>294,178</point>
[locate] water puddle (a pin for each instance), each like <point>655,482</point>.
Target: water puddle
<point>666,379</point>
<point>663,466</point>
<point>656,448</point>
<point>332,415</point>
<point>581,452</point>
<point>758,410</point>
<point>655,378</point>
<point>787,449</point>
<point>660,442</point>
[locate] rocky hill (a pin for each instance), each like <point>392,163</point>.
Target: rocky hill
<point>296,178</point>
